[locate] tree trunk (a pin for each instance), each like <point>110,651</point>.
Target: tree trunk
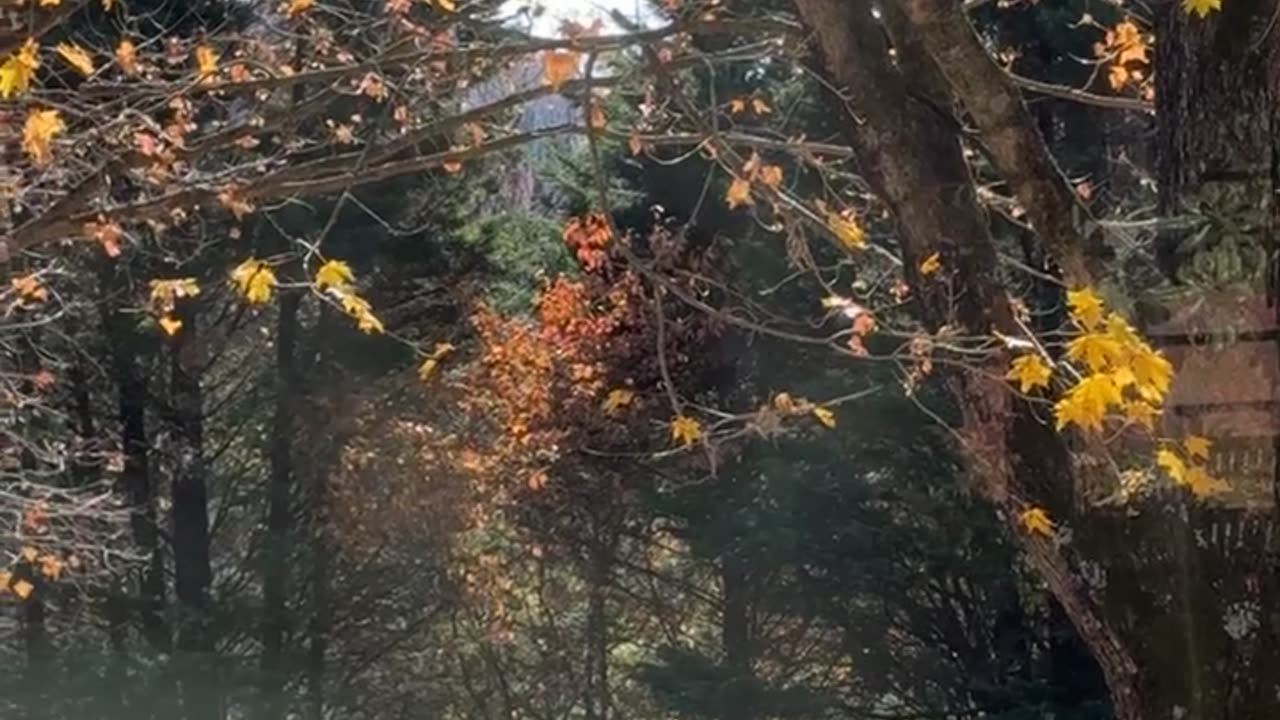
<point>278,547</point>
<point>600,562</point>
<point>735,640</point>
<point>910,153</point>
<point>190,517</point>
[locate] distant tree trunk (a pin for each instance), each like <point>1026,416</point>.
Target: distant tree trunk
<point>135,482</point>
<point>279,541</point>
<point>735,639</point>
<point>190,517</point>
<point>600,563</point>
<point>321,622</point>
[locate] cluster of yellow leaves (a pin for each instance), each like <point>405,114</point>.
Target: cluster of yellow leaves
<point>46,564</point>
<point>753,171</point>
<point>255,280</point>
<point>336,278</point>
<point>164,298</point>
<point>432,361</point>
<point>16,71</point>
<point>1120,370</point>
<point>1188,469</point>
<point>1124,49</point>
<point>844,226</point>
<point>1030,372</point>
<point>38,133</point>
<point>786,404</point>
<point>686,430</point>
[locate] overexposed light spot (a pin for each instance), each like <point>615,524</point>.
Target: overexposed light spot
<point>543,17</point>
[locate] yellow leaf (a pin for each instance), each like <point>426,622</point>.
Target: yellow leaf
<point>23,589</point>
<point>1085,307</point>
<point>1086,404</point>
<point>334,273</point>
<point>360,309</point>
<point>297,7</point>
<point>825,416</point>
<point>76,57</point>
<point>18,69</point>
<point>28,287</point>
<point>1172,464</point>
<point>930,265</point>
<point>51,567</point>
<point>1036,521</point>
<point>760,107</point>
<point>1201,7</point>
<point>38,133</point>
<point>1141,412</point>
<point>559,67</point>
<point>429,366</point>
<point>845,228</point>
<point>770,176</point>
<point>1197,446</point>
<point>446,5</point>
<point>1152,372</point>
<point>255,280</point>
<point>29,554</point>
<point>170,325</point>
<point>616,401</point>
<point>206,63</point>
<point>127,57</point>
<point>685,430</point>
<point>737,105</point>
<point>739,193</point>
<point>1203,485</point>
<point>784,403</point>
<point>1096,350</point>
<point>6,578</point>
<point>1030,372</point>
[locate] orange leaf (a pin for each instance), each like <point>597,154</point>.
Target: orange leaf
<point>559,67</point>
<point>739,193</point>
<point>23,589</point>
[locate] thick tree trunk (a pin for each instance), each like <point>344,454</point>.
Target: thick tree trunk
<point>911,155</point>
<point>279,541</point>
<point>190,518</point>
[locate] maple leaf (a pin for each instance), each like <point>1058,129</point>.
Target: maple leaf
<point>1197,446</point>
<point>170,325</point>
<point>760,107</point>
<point>76,57</point>
<point>825,416</point>
<point>432,362</point>
<point>38,133</point>
<point>1152,372</point>
<point>334,273</point>
<point>559,67</point>
<point>1141,412</point>
<point>358,308</point>
<point>1202,484</point>
<point>1036,521</point>
<point>737,106</point>
<point>1201,8</point>
<point>28,287</point>
<point>1172,464</point>
<point>845,227</point>
<point>1086,404</point>
<point>739,193</point>
<point>127,57</point>
<point>206,63</point>
<point>29,554</point>
<point>107,234</point>
<point>255,280</point>
<point>51,567</point>
<point>23,589</point>
<point>617,400</point>
<point>1085,307</point>
<point>685,430</point>
<point>930,265</point>
<point>770,175</point>
<point>1096,350</point>
<point>16,71</point>
<point>1030,372</point>
<point>297,7</point>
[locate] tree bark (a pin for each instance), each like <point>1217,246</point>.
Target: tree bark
<point>735,639</point>
<point>911,156</point>
<point>278,548</point>
<point>190,518</point>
